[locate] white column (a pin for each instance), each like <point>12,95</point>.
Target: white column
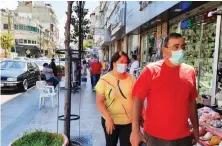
<point>216,53</point>
<point>116,46</point>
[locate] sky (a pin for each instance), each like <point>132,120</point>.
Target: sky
<point>60,7</point>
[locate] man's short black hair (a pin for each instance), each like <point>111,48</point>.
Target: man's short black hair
<point>134,57</point>
<point>172,35</point>
<point>45,64</point>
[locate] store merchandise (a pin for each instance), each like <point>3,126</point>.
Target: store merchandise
<point>210,130</point>
<point>207,136</point>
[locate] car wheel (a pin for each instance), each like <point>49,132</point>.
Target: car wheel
<point>24,85</point>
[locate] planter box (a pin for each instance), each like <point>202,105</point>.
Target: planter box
<point>65,140</point>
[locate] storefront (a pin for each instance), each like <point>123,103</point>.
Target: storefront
<point>199,32</point>
<point>148,41</point>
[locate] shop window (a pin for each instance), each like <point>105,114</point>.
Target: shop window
<point>25,41</point>
<point>29,41</point>
<point>200,40</point>
<point>5,26</point>
<point>20,40</point>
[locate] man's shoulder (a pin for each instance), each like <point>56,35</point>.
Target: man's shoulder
<point>187,67</point>
<point>154,65</point>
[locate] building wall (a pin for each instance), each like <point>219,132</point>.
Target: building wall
<point>43,13</point>
<point>23,29</point>
<point>136,17</point>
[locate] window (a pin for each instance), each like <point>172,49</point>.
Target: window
<point>16,27</point>
<point>25,41</point>
<point>29,41</point>
<point>20,40</point>
<point>21,27</point>
<point>5,26</point>
<point>16,41</point>
<point>33,42</point>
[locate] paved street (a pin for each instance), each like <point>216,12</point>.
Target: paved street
<point>9,95</point>
<point>21,114</point>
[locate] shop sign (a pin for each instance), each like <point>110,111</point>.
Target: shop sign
<point>118,16</point>
<point>143,4</point>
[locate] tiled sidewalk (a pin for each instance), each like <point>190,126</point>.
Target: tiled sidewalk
<point>32,118</point>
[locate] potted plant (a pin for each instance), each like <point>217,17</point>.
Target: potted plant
<point>40,138</point>
<point>60,71</point>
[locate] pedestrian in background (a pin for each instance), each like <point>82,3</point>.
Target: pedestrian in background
<point>84,71</point>
<point>134,65</point>
<point>90,63</point>
<point>114,101</point>
<point>96,68</point>
<point>105,66</point>
<point>54,67</point>
<point>169,86</point>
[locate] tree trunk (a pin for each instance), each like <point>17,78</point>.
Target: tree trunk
<point>67,107</point>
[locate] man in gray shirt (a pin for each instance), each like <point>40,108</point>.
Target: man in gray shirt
<point>48,72</point>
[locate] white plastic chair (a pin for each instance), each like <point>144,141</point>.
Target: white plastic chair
<point>46,91</point>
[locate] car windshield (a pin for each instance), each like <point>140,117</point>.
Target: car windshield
<point>12,65</point>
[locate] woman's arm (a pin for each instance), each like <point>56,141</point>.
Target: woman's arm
<point>100,103</point>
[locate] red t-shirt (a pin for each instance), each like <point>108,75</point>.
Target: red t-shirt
<point>169,92</point>
<point>96,68</point>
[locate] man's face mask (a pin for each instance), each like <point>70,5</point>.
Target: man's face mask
<point>178,57</point>
<point>121,68</point>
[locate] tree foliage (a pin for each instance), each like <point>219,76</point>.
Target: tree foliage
<point>75,23</point>
<point>87,44</point>
<point>7,42</point>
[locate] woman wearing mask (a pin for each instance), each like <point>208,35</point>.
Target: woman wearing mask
<point>114,101</point>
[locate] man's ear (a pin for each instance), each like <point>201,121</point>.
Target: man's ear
<point>166,52</point>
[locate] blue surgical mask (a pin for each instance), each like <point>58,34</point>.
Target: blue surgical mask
<point>178,57</point>
<point>121,68</point>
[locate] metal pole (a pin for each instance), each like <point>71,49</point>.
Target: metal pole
<point>80,37</point>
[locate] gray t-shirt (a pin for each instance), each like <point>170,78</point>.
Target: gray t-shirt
<point>48,73</point>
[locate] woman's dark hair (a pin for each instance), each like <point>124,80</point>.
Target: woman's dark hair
<point>116,56</point>
<point>84,61</point>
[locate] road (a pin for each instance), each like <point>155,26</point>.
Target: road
<point>17,110</point>
<point>9,95</point>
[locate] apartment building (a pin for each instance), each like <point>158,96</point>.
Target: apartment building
<point>34,27</point>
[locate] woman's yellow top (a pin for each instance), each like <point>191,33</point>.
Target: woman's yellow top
<point>118,97</point>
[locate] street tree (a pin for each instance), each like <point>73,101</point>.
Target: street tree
<point>75,23</point>
<point>67,98</point>
<point>7,42</point>
<point>87,44</point>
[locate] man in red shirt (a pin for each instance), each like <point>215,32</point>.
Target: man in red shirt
<point>96,68</point>
<point>169,86</point>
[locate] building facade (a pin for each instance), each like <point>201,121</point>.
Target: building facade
<point>139,27</point>
<point>33,26</point>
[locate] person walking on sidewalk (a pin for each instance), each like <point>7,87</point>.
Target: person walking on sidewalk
<point>134,65</point>
<point>169,86</point>
<point>90,63</point>
<point>96,68</point>
<point>114,101</point>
